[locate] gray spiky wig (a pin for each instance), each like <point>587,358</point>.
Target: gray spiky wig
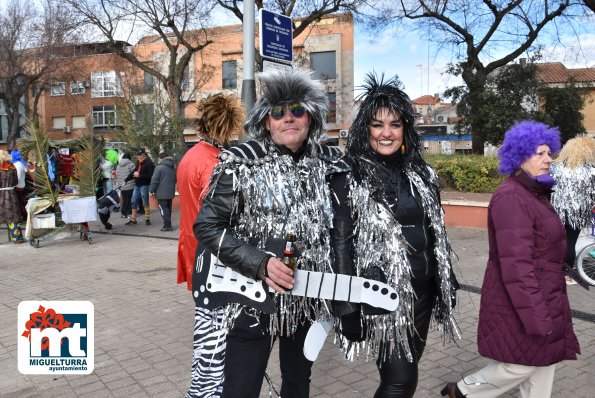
<point>283,86</point>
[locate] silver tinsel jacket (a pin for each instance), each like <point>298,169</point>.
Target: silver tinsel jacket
<point>574,194</point>
<point>259,192</point>
<point>375,227</point>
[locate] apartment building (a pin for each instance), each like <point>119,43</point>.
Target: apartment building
<point>93,83</point>
<point>325,47</point>
<point>88,88</point>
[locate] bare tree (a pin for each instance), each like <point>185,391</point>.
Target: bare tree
<point>306,12</point>
<point>484,35</point>
<point>179,24</point>
<point>28,38</point>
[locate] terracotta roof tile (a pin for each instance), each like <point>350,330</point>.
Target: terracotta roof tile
<point>556,72</point>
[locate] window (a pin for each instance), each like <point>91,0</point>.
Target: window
<point>79,122</point>
<point>105,117</point>
<point>105,84</point>
<point>57,89</point>
<point>230,74</point>
<point>331,116</point>
<point>148,83</point>
<point>324,65</point>
<point>58,122</point>
<point>77,87</point>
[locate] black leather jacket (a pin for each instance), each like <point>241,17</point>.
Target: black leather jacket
<point>215,224</point>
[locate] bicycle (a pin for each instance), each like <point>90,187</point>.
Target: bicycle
<point>585,260</point>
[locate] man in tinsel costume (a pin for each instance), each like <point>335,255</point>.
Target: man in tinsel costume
<point>574,193</point>
<point>389,226</point>
<point>263,189</point>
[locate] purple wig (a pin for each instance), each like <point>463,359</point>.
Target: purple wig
<point>521,142</point>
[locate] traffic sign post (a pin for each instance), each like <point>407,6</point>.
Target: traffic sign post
<point>276,36</point>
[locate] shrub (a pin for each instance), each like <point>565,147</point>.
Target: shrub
<point>466,173</point>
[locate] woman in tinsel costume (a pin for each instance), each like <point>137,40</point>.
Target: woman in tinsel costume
<point>389,225</point>
<point>574,193</point>
<point>525,325</point>
<point>272,185</point>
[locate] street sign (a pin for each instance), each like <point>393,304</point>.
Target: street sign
<point>270,65</point>
<point>276,36</point>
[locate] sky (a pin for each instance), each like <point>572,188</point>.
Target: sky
<point>422,70</point>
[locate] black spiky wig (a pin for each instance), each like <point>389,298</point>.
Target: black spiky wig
<point>381,93</point>
<point>284,86</point>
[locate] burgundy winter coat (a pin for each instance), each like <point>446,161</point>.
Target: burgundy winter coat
<point>524,317</point>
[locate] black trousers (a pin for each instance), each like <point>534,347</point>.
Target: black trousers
<point>571,238</point>
<point>165,209</point>
<point>126,209</point>
<point>247,354</point>
<point>398,376</point>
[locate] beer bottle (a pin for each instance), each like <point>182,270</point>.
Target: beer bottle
<point>289,253</point>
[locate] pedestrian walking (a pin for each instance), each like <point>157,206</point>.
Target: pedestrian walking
<point>525,325</point>
<point>124,169</point>
<point>142,179</point>
<point>22,170</point>
<point>574,194</point>
<point>163,187</point>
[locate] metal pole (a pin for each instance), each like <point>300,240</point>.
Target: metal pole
<point>248,83</point>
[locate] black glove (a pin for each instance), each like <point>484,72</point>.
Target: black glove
<point>353,327</point>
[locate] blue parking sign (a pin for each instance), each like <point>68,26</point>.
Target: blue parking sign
<point>276,36</point>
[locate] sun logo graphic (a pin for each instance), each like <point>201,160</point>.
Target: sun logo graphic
<point>56,337</point>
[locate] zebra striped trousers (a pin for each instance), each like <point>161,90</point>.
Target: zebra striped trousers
<point>209,354</point>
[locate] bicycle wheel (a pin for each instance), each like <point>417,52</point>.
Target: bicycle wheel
<point>585,264</point>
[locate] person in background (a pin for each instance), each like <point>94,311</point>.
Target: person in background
<point>142,179</point>
<point>163,187</point>
<point>105,204</point>
<point>10,213</point>
<point>525,325</point>
<point>22,170</point>
<point>273,184</point>
<point>389,226</point>
<point>220,120</point>
<point>108,164</point>
<point>123,170</point>
<point>574,194</point>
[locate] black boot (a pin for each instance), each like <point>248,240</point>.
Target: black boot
<point>452,390</point>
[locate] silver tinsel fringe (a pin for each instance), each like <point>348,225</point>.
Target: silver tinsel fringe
<point>574,194</point>
<point>380,242</point>
<point>280,196</point>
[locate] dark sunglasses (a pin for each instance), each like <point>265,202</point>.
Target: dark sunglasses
<point>297,110</point>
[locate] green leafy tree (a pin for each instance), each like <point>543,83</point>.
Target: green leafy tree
<point>562,107</point>
<point>483,36</point>
<point>511,93</point>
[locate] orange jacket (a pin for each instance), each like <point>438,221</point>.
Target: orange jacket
<point>194,172</point>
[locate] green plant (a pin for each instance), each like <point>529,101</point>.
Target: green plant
<point>467,173</point>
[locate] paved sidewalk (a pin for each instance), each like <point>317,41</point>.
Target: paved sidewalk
<point>143,320</point>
